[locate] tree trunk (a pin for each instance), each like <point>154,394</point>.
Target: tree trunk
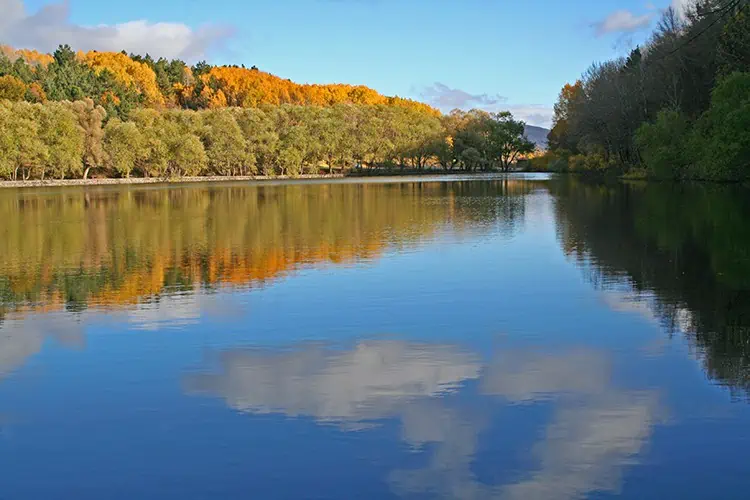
<point>86,173</point>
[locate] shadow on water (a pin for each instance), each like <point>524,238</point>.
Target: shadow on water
<point>684,248</point>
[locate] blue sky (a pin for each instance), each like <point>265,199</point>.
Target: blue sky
<point>483,53</point>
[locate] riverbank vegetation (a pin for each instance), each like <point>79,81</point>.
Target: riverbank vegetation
<point>102,114</point>
<point>676,108</point>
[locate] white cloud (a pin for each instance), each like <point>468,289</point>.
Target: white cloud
<point>50,26</point>
<point>623,21</point>
<point>168,312</point>
<point>588,446</point>
<point>524,377</point>
<point>369,382</point>
<point>23,337</point>
<point>682,6</point>
<point>446,98</point>
<point>183,309</point>
<point>538,115</point>
<point>629,303</point>
<point>597,430</point>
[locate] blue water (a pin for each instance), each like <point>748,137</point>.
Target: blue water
<point>477,360</point>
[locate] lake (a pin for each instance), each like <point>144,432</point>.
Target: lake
<point>514,337</point>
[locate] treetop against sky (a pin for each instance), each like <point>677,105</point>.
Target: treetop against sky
<point>495,55</point>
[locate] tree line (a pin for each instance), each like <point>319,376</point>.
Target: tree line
<point>676,108</point>
<point>69,115</point>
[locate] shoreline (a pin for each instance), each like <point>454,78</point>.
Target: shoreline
<point>260,179</point>
<point>156,180</point>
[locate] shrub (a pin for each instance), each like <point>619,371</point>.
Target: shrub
<point>663,145</point>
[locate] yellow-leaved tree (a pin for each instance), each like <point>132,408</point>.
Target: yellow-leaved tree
<point>130,72</point>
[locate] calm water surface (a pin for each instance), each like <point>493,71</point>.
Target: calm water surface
<point>509,338</point>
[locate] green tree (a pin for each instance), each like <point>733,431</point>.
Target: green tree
<point>721,135</point>
<point>190,156</point>
<point>64,139</point>
<point>261,138</point>
<point>663,145</point>
<point>507,139</point>
<point>224,143</point>
<point>23,148</point>
<point>90,119</point>
<point>733,51</point>
<point>293,143</point>
<point>123,143</point>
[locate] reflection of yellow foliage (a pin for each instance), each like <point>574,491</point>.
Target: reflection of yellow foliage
<point>116,248</point>
<point>131,73</point>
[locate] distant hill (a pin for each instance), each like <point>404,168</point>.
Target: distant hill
<point>537,135</point>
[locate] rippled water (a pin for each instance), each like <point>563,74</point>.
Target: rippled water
<point>510,337</point>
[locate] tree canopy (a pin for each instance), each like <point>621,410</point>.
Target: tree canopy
<point>122,115</point>
<point>674,108</point>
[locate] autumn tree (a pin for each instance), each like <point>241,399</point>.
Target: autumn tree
<point>12,88</point>
<point>130,73</point>
<point>561,135</point>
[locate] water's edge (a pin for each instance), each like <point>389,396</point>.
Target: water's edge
<point>262,179</point>
<point>157,180</point>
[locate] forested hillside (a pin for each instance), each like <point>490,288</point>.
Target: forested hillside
<point>109,114</point>
<point>676,108</point>
<point>120,82</point>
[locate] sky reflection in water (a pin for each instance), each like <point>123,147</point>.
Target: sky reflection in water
<point>467,340</point>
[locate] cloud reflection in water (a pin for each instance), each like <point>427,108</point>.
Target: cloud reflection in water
<point>597,429</point>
